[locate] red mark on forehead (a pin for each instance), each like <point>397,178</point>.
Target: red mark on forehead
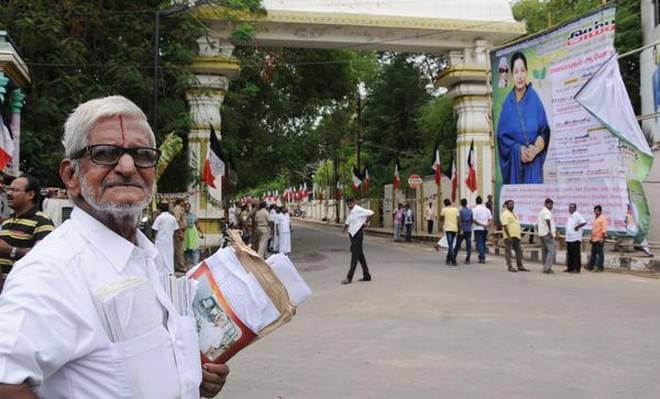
<point>123,133</point>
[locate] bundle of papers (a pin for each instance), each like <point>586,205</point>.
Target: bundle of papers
<point>128,308</point>
<point>181,292</point>
<point>297,288</point>
<point>233,306</point>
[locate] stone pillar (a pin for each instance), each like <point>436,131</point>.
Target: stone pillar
<point>214,67</point>
<point>16,102</point>
<point>467,83</point>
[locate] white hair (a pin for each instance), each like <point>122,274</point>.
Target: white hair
<point>86,115</point>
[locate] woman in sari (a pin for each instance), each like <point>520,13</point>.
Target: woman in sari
<point>523,133</point>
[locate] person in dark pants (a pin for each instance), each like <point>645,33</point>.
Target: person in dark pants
<point>449,216</point>
<point>355,222</point>
<point>408,221</point>
<point>574,224</point>
<point>465,220</point>
<point>598,234</point>
<point>482,219</point>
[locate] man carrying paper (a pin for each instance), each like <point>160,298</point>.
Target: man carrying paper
<point>85,313</point>
<point>355,222</point>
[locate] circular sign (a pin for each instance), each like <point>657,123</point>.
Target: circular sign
<point>415,181</point>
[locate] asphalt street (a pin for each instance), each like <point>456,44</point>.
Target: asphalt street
<point>421,329</point>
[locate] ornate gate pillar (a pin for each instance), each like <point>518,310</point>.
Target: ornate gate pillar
<point>467,83</point>
<point>214,67</point>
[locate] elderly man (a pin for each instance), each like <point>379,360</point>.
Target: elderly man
<point>54,342</point>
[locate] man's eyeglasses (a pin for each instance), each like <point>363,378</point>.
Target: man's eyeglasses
<point>109,155</point>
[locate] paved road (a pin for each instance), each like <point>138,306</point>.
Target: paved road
<point>424,330</point>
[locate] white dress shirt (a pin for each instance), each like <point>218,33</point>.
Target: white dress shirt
<point>542,225</point>
<point>52,336</point>
<point>357,217</point>
<point>482,215</point>
<point>165,226</point>
<point>573,220</point>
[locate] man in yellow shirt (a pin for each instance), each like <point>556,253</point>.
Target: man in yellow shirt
<point>512,234</point>
<point>449,215</point>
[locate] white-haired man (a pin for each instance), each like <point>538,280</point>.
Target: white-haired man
<point>54,343</point>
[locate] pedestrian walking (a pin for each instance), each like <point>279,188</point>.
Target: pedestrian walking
<point>512,235</point>
<point>284,231</point>
<point>408,222</point>
<point>429,214</point>
<point>449,216</point>
<point>191,237</point>
<point>482,220</point>
<point>273,216</point>
<point>465,221</point>
<point>357,218</point>
<point>165,226</point>
<point>574,226</point>
<point>598,235</point>
<point>397,216</point>
<point>261,229</point>
<point>180,214</point>
<point>548,233</point>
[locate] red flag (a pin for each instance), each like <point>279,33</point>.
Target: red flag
<point>471,180</point>
<point>366,179</point>
<point>6,145</point>
<point>357,179</point>
<point>436,165</point>
<point>397,180</point>
<point>451,174</point>
<point>214,166</point>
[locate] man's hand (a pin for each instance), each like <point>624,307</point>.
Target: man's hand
<point>214,377</point>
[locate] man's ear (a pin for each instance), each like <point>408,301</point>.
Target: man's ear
<point>69,177</point>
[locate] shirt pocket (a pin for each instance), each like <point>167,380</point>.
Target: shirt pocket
<point>190,363</point>
<point>146,367</point>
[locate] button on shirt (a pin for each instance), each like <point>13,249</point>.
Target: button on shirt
<point>53,338</point>
<point>482,215</point>
<point>544,215</point>
<point>574,219</point>
<point>357,218</point>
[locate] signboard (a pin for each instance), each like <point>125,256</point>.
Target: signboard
<point>415,181</point>
<point>547,144</point>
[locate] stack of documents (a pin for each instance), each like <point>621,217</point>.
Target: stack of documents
<point>128,308</point>
<point>181,292</point>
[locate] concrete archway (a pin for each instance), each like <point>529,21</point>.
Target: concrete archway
<point>464,30</point>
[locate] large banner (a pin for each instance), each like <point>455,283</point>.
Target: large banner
<point>547,144</point>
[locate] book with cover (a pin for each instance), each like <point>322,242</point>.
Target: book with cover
<point>221,332</point>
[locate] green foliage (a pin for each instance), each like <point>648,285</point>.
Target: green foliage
<point>542,14</point>
<point>78,50</point>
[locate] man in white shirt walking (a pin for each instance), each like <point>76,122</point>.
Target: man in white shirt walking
<point>355,222</point>
<point>574,226</point>
<point>548,233</point>
<point>482,219</point>
<point>165,226</point>
<point>54,342</point>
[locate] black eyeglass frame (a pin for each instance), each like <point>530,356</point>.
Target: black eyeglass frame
<point>130,151</point>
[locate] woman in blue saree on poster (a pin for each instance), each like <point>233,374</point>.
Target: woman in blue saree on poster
<point>523,133</point>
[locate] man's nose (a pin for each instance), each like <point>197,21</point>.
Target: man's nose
<point>126,165</point>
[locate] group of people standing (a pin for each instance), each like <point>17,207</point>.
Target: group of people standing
<point>458,226</point>
<point>177,235</point>
<point>267,228</point>
<point>547,231</point>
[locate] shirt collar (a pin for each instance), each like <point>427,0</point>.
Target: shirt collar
<point>114,247</point>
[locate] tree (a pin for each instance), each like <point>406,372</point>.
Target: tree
<point>78,50</point>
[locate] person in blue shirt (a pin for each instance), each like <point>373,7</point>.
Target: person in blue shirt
<point>523,133</point>
<point>465,221</point>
